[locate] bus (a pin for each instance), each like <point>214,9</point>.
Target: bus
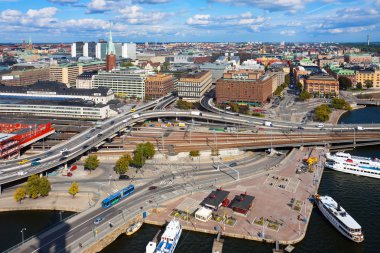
<point>116,197</point>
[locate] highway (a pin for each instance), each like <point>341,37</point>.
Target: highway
<point>66,236</point>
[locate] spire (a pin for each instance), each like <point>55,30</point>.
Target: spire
<point>110,46</point>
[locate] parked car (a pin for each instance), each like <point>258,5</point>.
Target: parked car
<point>74,167</point>
<point>233,164</point>
<point>124,177</point>
<point>98,220</point>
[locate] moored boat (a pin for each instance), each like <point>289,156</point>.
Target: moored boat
<point>169,239</point>
<point>134,228</point>
<point>339,218</point>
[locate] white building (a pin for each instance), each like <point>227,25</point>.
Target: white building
<point>129,51</point>
<point>203,214</point>
<point>192,87</point>
<point>101,50</point>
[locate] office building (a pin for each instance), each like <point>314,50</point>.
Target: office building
<point>192,87</point>
<point>101,50</point>
<point>89,49</point>
<point>244,86</point>
<point>159,85</point>
<point>56,91</point>
<point>129,51</point>
<point>217,69</point>
<point>24,76</point>
<point>322,86</point>
<point>124,83</point>
<point>358,58</point>
<point>77,49</point>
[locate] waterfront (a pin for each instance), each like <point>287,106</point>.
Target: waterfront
<point>360,196</point>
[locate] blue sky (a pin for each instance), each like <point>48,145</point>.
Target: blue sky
<point>190,20</point>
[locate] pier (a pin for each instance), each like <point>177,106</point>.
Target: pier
<point>217,246</point>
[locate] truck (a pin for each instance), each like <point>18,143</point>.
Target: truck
<point>268,123</point>
<point>196,113</point>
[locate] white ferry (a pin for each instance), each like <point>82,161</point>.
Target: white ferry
<point>169,239</point>
<point>339,218</point>
<point>359,160</point>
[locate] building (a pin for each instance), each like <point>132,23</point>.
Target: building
<point>24,76</point>
<point>203,214</point>
<point>56,91</point>
<point>322,86</point>
<point>89,49</point>
<point>358,58</point>
<point>111,54</point>
<point>84,80</point>
<point>192,87</point>
<point>125,83</point>
<point>278,78</point>
<point>217,69</point>
<point>68,73</point>
<point>337,72</point>
<point>15,136</point>
<point>101,50</point>
<point>118,49</point>
<point>252,65</point>
<point>215,199</point>
<point>245,86</point>
<point>242,203</point>
<point>77,49</point>
<point>76,108</point>
<point>159,85</point>
<point>129,51</point>
<point>374,76</point>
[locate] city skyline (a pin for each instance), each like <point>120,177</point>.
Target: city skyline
<point>192,21</point>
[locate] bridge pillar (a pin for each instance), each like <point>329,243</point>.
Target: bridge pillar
<point>1,190</point>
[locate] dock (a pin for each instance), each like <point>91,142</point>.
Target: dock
<point>217,246</point>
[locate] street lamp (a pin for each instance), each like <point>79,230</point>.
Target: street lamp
<point>22,234</point>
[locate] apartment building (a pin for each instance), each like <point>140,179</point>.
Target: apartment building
<point>192,87</point>
<point>322,86</point>
<point>159,85</point>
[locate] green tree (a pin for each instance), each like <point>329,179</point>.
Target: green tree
<point>32,186</point>
<point>184,105</point>
<point>122,164</point>
<point>304,95</point>
<point>194,153</point>
<point>44,186</point>
<point>368,84</point>
<point>340,103</point>
<point>300,86</point>
<point>126,64</point>
<point>142,152</point>
<point>322,113</point>
<point>278,90</point>
<point>345,83</point>
<point>234,107</point>
<point>91,162</point>
<point>138,159</point>
<point>359,86</point>
<point>19,194</point>
<point>287,79</point>
<point>244,109</point>
<point>149,151</point>
<point>74,189</point>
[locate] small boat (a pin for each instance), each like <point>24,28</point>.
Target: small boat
<point>169,239</point>
<point>133,228</point>
<point>339,218</point>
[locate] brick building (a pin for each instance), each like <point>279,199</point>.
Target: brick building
<point>24,77</point>
<point>322,86</point>
<point>358,58</point>
<point>244,86</point>
<point>159,85</point>
<point>192,87</point>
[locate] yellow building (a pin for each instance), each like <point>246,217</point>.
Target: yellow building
<point>362,76</point>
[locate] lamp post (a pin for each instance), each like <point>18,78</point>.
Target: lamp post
<point>22,234</point>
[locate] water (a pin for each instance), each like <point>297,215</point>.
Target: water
<point>11,224</point>
<point>360,196</point>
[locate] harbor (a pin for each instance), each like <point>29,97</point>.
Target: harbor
<point>279,210</point>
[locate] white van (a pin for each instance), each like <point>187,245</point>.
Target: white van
<point>268,124</point>
<point>359,128</point>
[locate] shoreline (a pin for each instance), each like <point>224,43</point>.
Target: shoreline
<point>339,113</point>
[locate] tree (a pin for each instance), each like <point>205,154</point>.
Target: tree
<point>368,84</point>
<point>181,104</point>
<point>122,164</point>
<point>32,186</point>
<point>91,162</point>
<point>19,194</point>
<point>149,151</point>
<point>234,107</point>
<point>194,153</point>
<point>44,186</point>
<point>340,103</point>
<point>322,113</point>
<point>74,189</point>
<point>304,95</point>
<point>244,109</point>
<point>165,66</point>
<point>359,86</point>
<point>287,79</point>
<point>345,83</point>
<point>142,152</point>
<point>126,64</point>
<point>299,84</point>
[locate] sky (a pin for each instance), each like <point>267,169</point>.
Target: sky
<point>190,20</point>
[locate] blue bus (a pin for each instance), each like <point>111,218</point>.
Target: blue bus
<point>116,197</point>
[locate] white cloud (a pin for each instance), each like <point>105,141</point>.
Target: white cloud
<point>288,32</point>
<point>33,18</point>
<point>63,2</point>
<point>270,5</point>
<point>199,19</point>
<point>136,15</point>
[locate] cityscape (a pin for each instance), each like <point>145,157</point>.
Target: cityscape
<point>164,126</point>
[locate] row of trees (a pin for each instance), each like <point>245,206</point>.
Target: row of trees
<point>35,187</point>
<point>345,83</point>
<point>304,95</point>
<point>142,152</point>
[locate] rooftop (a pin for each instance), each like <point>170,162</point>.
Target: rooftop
<point>41,102</point>
<point>215,198</point>
<point>242,201</point>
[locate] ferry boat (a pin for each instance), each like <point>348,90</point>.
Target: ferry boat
<point>352,167</point>
<point>169,239</point>
<point>339,218</point>
<point>359,160</point>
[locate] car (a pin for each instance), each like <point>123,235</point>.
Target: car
<point>88,137</point>
<point>69,174</point>
<point>92,130</point>
<point>300,128</point>
<point>23,161</point>
<point>233,164</point>
<point>151,188</point>
<point>98,220</point>
<point>112,122</point>
<point>320,125</point>
<point>124,177</point>
<point>85,146</point>
<point>100,134</point>
<point>63,158</point>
